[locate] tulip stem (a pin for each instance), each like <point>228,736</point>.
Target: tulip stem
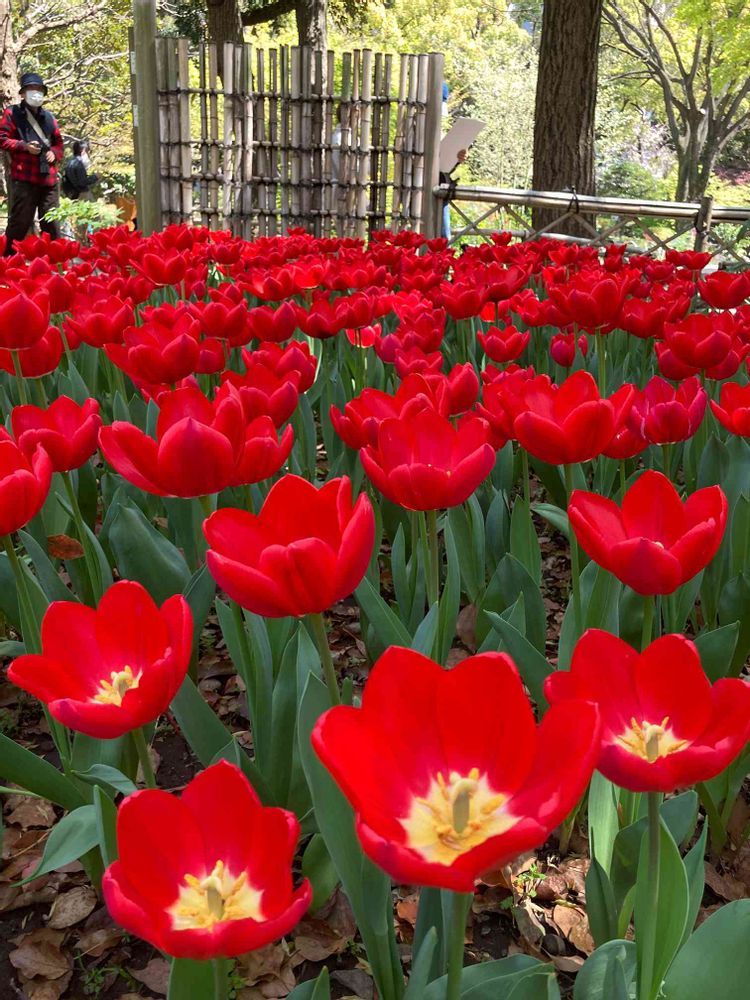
<point>206,505</point>
<point>20,381</point>
<point>90,557</point>
<point>601,363</point>
<point>648,621</point>
<point>221,978</point>
<point>318,626</point>
<point>144,757</point>
<point>716,826</point>
<point>575,566</point>
<point>646,991</point>
<point>623,479</point>
<point>460,902</point>
<point>432,542</point>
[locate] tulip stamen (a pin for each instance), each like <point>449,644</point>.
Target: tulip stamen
<point>651,740</point>
<point>458,813</point>
<point>112,692</point>
<point>216,898</point>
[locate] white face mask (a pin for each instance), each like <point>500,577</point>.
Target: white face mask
<point>85,159</point>
<point>35,98</point>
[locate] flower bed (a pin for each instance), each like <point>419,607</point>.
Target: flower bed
<point>211,440</point>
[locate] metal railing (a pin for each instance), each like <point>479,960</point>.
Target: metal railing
<point>721,229</point>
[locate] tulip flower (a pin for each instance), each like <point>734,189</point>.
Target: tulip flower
<point>663,415</point>
<point>107,671</point>
<point>567,423</point>
<point>24,483</point>
<point>200,447</point>
<point>423,462</point>
<point>725,289</point>
<point>163,350</point>
<point>503,345</point>
<point>207,875</point>
<point>99,321</point>
<point>655,542</point>
<point>223,319</point>
<point>733,408</point>
<point>664,726</point>
<point>307,548</point>
<point>294,362</point>
<point>23,320</point>
<point>67,432</point>
<point>447,772</point>
<point>41,359</point>
<point>264,392</point>
<point>701,340</point>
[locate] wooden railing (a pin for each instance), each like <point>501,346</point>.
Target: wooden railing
<point>648,226</point>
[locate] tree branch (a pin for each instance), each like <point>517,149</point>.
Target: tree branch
<point>71,17</point>
<point>268,13</point>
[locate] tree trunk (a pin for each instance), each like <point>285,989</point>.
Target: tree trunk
<point>8,84</point>
<point>311,23</point>
<point>566,103</point>
<point>224,25</point>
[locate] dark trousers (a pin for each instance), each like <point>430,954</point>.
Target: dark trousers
<point>27,200</point>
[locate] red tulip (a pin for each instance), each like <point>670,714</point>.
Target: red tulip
<point>733,408</point>
<point>654,543</point>
<point>99,321</point>
<point>304,551</point>
<point>200,447</point>
<point>663,415</point>
<point>24,483</point>
<point>41,359</point>
<point>223,319</point>
<point>23,320</point>
<point>294,362</point>
<point>503,345</point>
<point>567,423</point>
<point>692,260</point>
<point>562,348</point>
<point>208,875</point>
<point>663,725</point>
<point>263,392</point>
<point>415,361</point>
<point>701,340</point>
<point>275,325</point>
<point>423,462</point>
<point>442,794</point>
<point>163,268</point>
<point>725,289</point>
<point>162,351</point>
<point>67,432</point>
<point>108,671</point>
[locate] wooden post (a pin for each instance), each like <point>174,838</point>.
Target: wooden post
<point>431,214</point>
<point>146,116</point>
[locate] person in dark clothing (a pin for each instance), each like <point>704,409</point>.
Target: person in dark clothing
<point>77,181</point>
<point>29,134</point>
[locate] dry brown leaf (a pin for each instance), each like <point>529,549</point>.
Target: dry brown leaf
<point>574,925</point>
<point>38,955</point>
<point>466,624</point>
<point>406,909</point>
<point>64,547</point>
<point>724,885</point>
<point>357,981</point>
<point>98,934</point>
<point>529,923</point>
<point>268,969</point>
<point>552,886</point>
<point>33,813</point>
<point>316,941</point>
<point>567,963</point>
<point>46,989</point>
<point>155,975</point>
<point>738,820</point>
<point>72,907</point>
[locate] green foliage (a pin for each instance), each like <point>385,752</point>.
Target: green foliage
<point>93,214</point>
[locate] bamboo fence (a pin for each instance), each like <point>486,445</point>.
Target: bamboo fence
<point>339,144</point>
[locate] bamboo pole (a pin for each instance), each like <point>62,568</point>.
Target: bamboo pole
<point>185,138</point>
<point>146,115</point>
<point>430,206</point>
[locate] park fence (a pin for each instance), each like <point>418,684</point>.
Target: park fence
<point>338,143</point>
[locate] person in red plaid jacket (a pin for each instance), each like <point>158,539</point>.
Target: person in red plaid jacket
<point>29,134</point>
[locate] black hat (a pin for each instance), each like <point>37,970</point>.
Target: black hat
<point>32,80</point>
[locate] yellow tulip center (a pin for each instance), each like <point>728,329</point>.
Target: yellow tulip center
<point>455,816</point>
<point>218,897</point>
<point>651,741</point>
<point>112,692</point>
